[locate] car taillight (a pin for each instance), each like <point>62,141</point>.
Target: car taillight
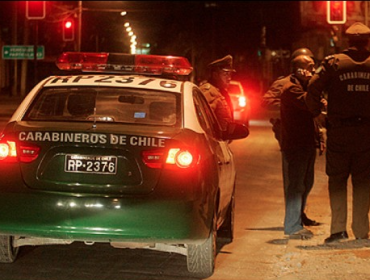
<point>175,158</point>
<point>242,101</point>
<point>26,153</point>
<point>8,151</point>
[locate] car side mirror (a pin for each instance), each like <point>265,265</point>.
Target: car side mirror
<point>236,131</point>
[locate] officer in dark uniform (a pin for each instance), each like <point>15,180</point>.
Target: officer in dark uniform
<point>215,89</point>
<point>272,100</point>
<point>298,146</point>
<point>346,79</point>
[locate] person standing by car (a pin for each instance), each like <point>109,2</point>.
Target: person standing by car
<point>346,78</point>
<point>272,100</point>
<point>298,146</point>
<point>215,89</point>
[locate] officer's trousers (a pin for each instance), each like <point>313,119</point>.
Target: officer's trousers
<point>298,176</point>
<point>348,155</point>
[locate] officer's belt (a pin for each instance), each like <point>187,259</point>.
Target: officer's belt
<point>352,121</point>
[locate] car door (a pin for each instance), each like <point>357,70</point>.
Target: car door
<point>225,162</point>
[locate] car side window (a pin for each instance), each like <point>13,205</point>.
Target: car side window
<point>205,115</point>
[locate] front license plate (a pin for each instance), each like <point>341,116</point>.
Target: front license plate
<point>91,164</point>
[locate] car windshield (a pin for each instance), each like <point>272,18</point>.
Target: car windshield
<point>105,105</point>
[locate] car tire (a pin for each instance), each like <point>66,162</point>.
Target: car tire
<point>226,231</point>
<point>8,253</point>
<point>201,258</point>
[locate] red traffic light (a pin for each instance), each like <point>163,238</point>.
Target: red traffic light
<point>68,30</point>
<point>68,24</point>
<point>336,12</point>
<point>35,9</point>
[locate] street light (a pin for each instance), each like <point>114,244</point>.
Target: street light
<point>132,36</point>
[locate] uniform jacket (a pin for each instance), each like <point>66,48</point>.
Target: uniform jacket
<point>220,103</point>
<point>346,79</point>
<point>271,99</point>
<point>297,123</point>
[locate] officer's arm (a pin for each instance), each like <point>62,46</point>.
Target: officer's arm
<point>271,99</point>
<point>316,87</point>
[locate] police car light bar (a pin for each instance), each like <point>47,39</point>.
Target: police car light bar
<point>124,63</point>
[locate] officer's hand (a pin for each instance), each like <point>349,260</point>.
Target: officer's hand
<point>322,148</point>
<point>303,74</point>
<point>320,120</point>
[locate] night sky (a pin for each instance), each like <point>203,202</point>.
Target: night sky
<point>200,30</point>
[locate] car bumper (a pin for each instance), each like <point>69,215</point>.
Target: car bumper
<point>103,219</point>
<point>180,216</point>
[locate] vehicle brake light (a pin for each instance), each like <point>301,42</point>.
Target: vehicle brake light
<point>153,158</point>
<point>28,153</point>
<point>175,158</point>
<point>125,63</point>
<point>8,152</point>
<point>242,101</point>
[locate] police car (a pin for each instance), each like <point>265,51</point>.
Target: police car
<point>124,149</point>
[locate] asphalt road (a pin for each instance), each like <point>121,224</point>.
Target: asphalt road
<point>259,251</point>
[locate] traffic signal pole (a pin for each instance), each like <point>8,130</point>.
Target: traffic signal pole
<point>35,11</point>
<point>79,26</point>
<point>36,41</point>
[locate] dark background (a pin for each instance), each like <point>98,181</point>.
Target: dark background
<point>202,31</point>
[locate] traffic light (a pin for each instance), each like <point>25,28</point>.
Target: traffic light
<point>68,30</point>
<point>35,9</point>
<point>336,12</point>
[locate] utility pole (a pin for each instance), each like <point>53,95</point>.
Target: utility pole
<point>79,26</point>
<point>366,13</point>
<point>14,91</point>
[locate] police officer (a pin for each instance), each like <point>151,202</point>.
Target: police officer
<point>271,98</point>
<point>298,147</point>
<point>346,79</point>
<point>215,89</point>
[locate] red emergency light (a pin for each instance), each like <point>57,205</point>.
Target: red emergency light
<point>125,63</point>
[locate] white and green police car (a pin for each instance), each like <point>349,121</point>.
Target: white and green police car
<point>123,149</point>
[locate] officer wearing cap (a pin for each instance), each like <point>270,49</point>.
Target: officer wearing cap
<point>215,89</point>
<point>346,79</point>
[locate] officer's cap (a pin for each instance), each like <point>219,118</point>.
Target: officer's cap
<point>358,30</point>
<point>225,64</point>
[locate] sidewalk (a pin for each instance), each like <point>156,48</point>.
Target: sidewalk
<point>8,104</point>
